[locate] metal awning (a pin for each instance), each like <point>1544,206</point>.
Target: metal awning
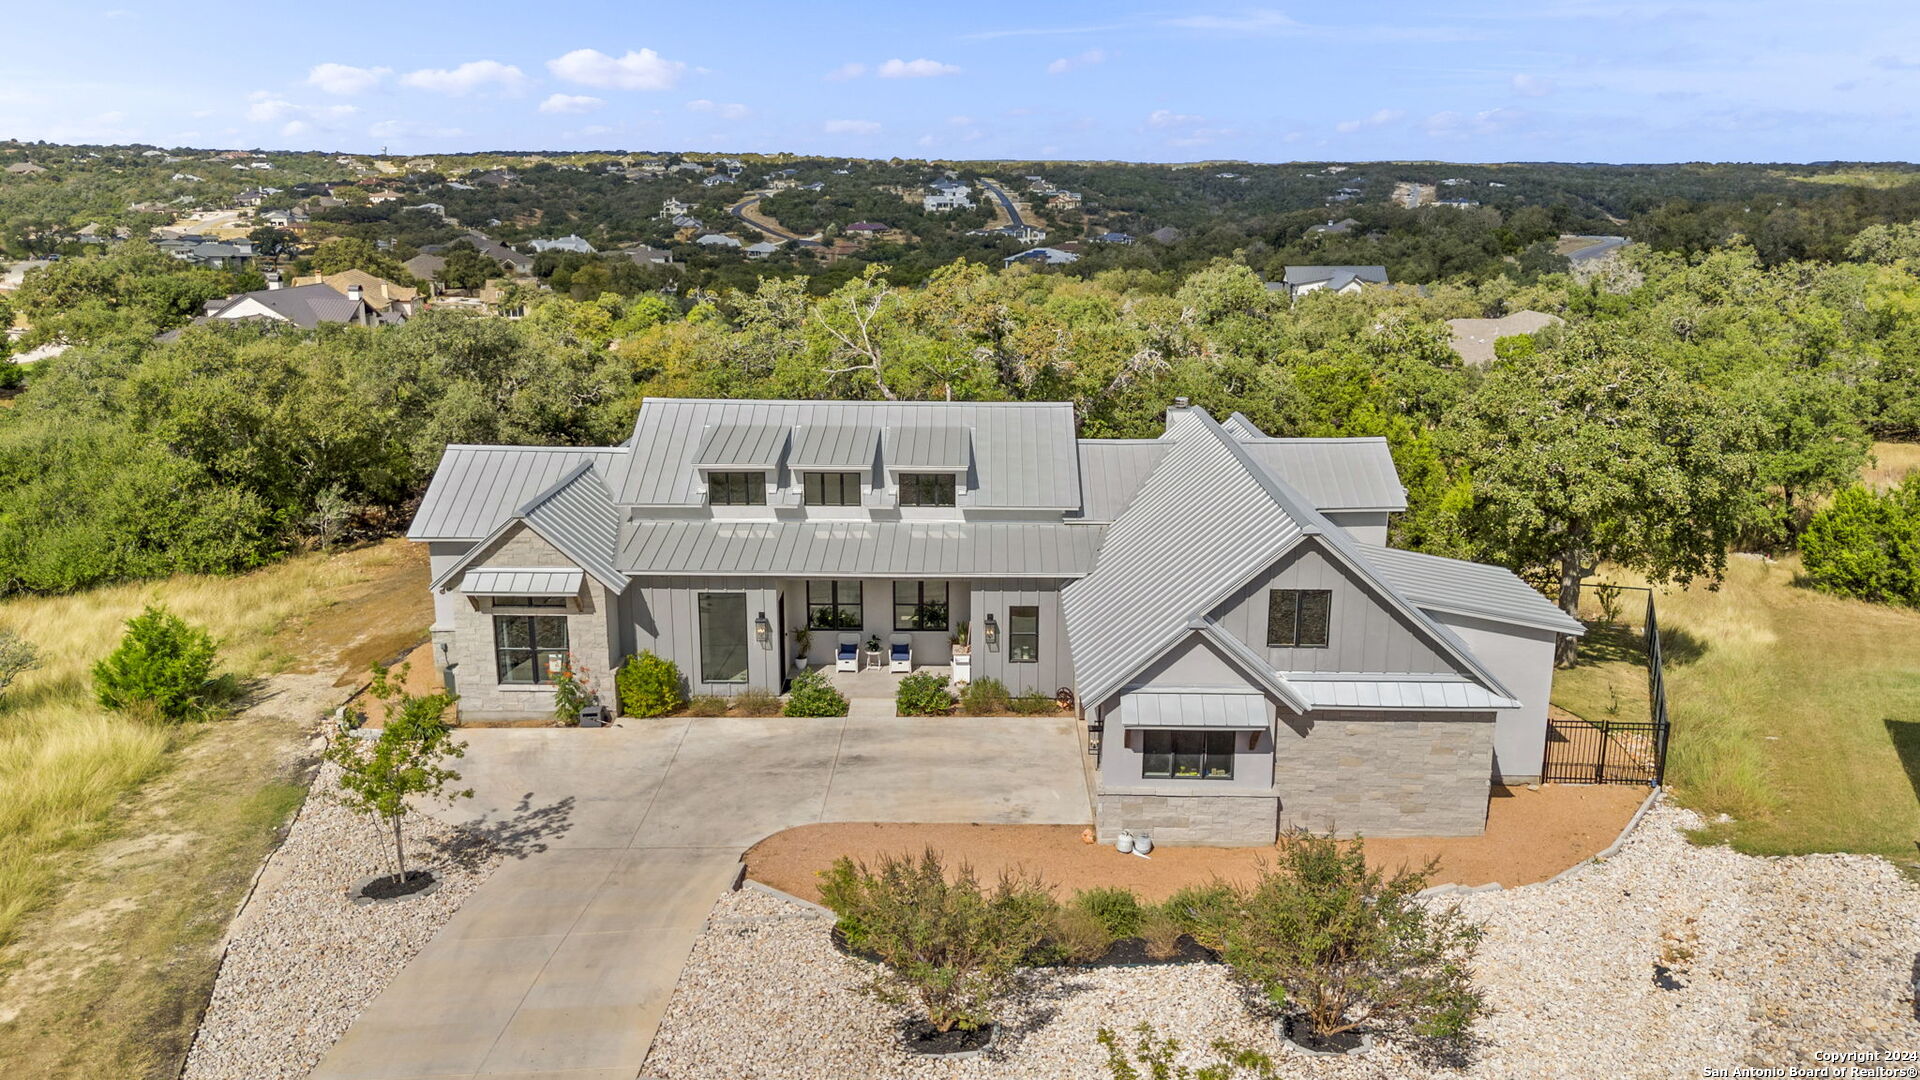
<point>741,446</point>
<point>1194,709</point>
<point>522,583</point>
<point>834,447</point>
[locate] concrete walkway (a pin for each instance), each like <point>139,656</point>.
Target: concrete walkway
<point>559,967</point>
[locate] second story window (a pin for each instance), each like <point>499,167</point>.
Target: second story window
<point>736,489</point>
<point>1298,618</point>
<point>926,489</point>
<point>832,488</point>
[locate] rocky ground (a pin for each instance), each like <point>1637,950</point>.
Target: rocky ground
<point>1772,960</point>
<point>302,960</point>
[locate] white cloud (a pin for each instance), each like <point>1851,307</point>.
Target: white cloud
<point>851,127</point>
<point>570,103</point>
<point>914,69</point>
<point>1532,85</point>
<point>1380,118</point>
<point>846,71</point>
<point>408,129</point>
<point>724,110</point>
<point>267,109</point>
<point>344,78</point>
<point>1085,59</point>
<point>643,70</point>
<point>1460,125</point>
<point>1165,118</point>
<point>468,77</point>
<point>295,127</point>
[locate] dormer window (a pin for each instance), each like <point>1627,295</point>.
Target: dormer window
<point>737,489</point>
<point>832,488</point>
<point>1299,618</point>
<point>927,489</point>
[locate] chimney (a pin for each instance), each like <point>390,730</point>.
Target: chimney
<point>273,279</point>
<point>1180,403</point>
<point>353,292</point>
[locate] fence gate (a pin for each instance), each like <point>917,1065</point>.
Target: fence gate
<point>1615,751</point>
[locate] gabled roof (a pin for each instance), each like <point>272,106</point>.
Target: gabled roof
<point>1158,576</point>
<point>1024,454</point>
<point>1307,275</point>
<point>576,515</point>
<point>304,306</point>
<point>1335,475</point>
<point>477,487</point>
<point>1456,586</point>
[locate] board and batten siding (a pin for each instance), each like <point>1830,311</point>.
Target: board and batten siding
<point>663,617</point>
<point>995,596</point>
<point>1365,634</point>
<point>931,648</point>
<point>1521,657</point>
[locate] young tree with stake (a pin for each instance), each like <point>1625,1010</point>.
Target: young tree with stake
<point>378,776</point>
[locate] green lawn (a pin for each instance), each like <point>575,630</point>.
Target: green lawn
<point>1794,712</point>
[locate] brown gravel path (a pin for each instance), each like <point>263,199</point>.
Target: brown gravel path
<point>1531,836</point>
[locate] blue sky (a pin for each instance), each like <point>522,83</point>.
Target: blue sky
<point>1567,80</point>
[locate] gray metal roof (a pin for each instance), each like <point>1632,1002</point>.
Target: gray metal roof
<point>860,548</point>
<point>1467,588</point>
<point>1111,472</point>
<point>305,306</point>
<point>747,446</point>
<point>478,487</point>
<point>1159,575</point>
<point>1307,275</point>
<point>579,517</point>
<point>834,446</point>
<point>1353,691</point>
<point>1024,454</point>
<point>1335,474</point>
<point>927,446</point>
<point>1196,708</point>
<point>496,581</point>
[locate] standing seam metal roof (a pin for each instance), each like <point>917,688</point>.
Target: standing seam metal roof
<point>476,488</point>
<point>834,446</point>
<point>758,446</point>
<point>1468,588</point>
<point>927,446</point>
<point>860,548</point>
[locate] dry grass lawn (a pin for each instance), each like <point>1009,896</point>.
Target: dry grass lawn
<point>125,849</point>
<point>1531,836</point>
<point>1892,463</point>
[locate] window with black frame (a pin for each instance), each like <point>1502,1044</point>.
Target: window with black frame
<point>927,489</point>
<point>834,605</point>
<point>529,649</point>
<point>831,488</point>
<point>737,489</point>
<point>723,637</point>
<point>1299,618</point>
<point>1023,635</point>
<point>919,605</point>
<point>1187,755</point>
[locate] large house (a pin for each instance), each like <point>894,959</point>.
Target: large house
<point>1300,280</point>
<point>1220,606</point>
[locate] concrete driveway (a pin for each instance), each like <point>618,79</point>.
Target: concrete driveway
<point>560,965</point>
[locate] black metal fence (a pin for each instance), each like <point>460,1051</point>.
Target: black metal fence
<point>1608,751</point>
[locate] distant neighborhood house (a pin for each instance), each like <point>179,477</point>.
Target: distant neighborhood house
<point>1300,280</point>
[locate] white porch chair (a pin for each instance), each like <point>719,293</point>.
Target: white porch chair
<point>847,657</point>
<point>900,658</point>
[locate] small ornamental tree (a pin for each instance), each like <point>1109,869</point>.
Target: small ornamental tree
<point>378,776</point>
<point>17,657</point>
<point>162,664</point>
<point>944,944</point>
<point>648,685</point>
<point>1349,947</point>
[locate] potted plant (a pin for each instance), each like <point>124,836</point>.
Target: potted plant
<point>873,649</point>
<point>962,655</point>
<point>802,638</point>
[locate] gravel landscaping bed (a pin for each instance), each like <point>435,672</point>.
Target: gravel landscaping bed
<point>303,960</point>
<point>1776,959</point>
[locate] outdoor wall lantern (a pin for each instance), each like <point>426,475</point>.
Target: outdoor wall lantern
<point>763,631</point>
<point>993,632</point>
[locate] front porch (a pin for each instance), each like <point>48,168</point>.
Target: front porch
<point>875,682</point>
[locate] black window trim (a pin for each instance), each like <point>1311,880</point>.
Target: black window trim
<point>1207,752</point>
<point>737,488</point>
<point>541,676</point>
<point>834,604</point>
<point>746,637</point>
<point>1291,639</point>
<point>842,479</point>
<point>920,606</point>
<point>1014,636</point>
<point>945,485</point>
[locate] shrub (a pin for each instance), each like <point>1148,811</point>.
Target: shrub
<point>162,664</point>
<point>707,705</point>
<point>17,657</point>
<point>754,701</point>
<point>1348,946</point>
<point>1201,910</point>
<point>570,695</point>
<point>1077,935</point>
<point>1160,929</point>
<point>985,697</point>
<point>1160,1058</point>
<point>1033,703</point>
<point>945,945</point>
<point>648,685</point>
<point>923,694</point>
<point>1117,909</point>
<point>813,695</point>
<point>1866,545</point>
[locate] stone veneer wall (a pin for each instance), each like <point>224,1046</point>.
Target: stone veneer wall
<point>1228,820</point>
<point>1386,774</point>
<point>590,628</point>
